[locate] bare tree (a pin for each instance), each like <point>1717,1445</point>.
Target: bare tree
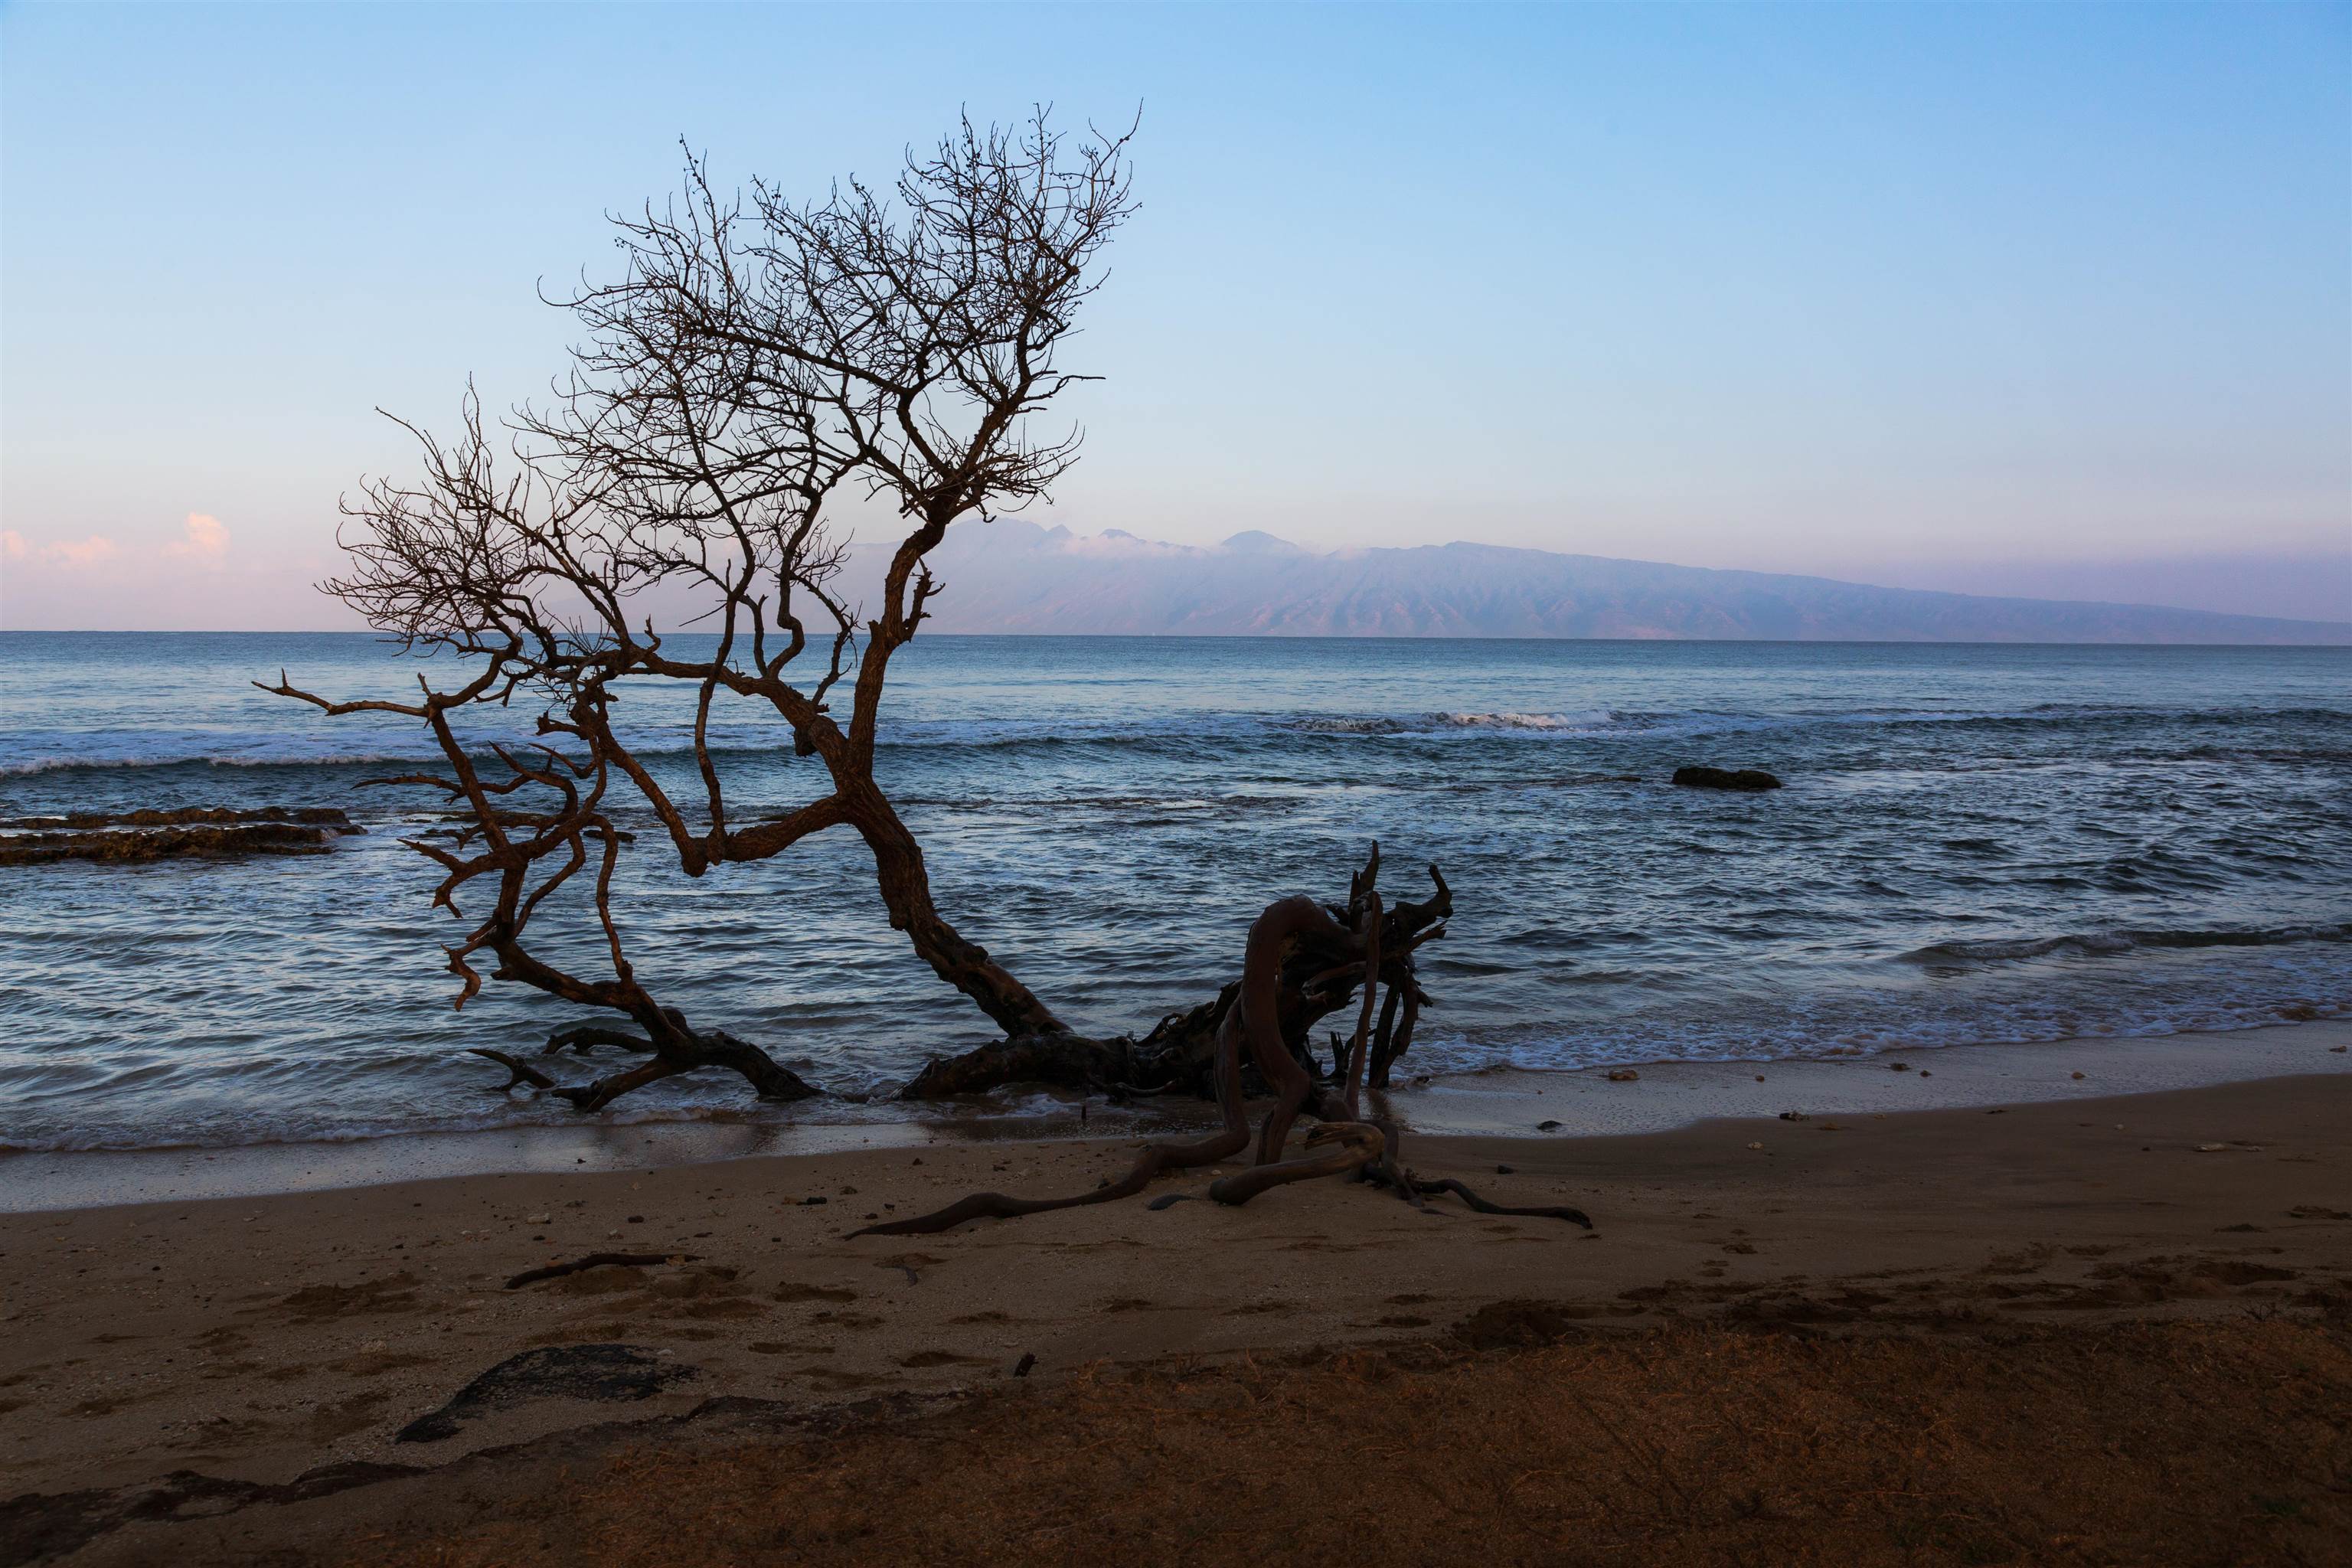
<point>756,360</point>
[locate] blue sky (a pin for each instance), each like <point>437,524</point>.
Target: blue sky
<point>2003,298</point>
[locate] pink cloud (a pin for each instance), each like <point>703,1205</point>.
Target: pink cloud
<point>89,551</point>
<point>205,538</point>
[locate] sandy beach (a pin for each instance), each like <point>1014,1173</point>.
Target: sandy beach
<point>346,1375</point>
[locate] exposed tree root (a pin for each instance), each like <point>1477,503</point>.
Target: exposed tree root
<point>597,1260</point>
<point>1155,1160</point>
<point>1293,937</point>
<point>1318,976</point>
<point>1076,1061</point>
<point>1447,1185</point>
<point>1358,1146</point>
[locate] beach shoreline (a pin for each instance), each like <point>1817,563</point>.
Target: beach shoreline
<point>268,1339</point>
<point>1496,1103</point>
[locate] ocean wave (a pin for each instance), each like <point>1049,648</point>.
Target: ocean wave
<point>2107,944</point>
<point>2011,1023</point>
<point>1701,723</point>
<point>24,755</point>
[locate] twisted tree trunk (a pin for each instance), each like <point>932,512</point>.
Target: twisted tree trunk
<point>1318,970</point>
<point>906,886</point>
<point>1290,931</point>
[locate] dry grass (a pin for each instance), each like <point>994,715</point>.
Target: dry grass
<point>2179,1442</point>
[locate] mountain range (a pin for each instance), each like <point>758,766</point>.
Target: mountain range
<point>1015,576</point>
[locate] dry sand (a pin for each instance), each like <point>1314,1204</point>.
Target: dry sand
<point>227,1380</point>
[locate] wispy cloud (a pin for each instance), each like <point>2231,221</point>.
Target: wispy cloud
<point>89,551</point>
<point>205,540</point>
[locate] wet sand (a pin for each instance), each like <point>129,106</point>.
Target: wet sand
<point>257,1341</point>
<point>1502,1103</point>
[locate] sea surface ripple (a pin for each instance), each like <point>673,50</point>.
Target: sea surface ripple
<point>1976,844</point>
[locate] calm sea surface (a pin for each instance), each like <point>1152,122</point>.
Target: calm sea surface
<point>1976,844</point>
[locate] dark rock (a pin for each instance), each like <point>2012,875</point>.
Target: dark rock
<point>189,815</point>
<point>1724,778</point>
<point>558,1371</point>
<point>1546,1126</point>
<point>198,843</point>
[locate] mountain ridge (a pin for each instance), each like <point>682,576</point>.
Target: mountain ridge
<point>1015,576</point>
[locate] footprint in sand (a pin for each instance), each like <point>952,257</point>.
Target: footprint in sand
<point>845,1321</point>
<point>393,1293</point>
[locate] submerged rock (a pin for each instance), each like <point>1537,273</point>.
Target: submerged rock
<point>200,843</point>
<point>178,832</point>
<point>189,815</point>
<point>1724,778</point>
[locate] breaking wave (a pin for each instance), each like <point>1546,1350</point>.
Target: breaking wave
<point>24,755</point>
<point>2107,944</point>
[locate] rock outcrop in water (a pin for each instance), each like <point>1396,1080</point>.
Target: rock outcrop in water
<point>183,833</point>
<point>185,815</point>
<point>1724,778</point>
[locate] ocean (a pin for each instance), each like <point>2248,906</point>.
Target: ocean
<point>1975,845</point>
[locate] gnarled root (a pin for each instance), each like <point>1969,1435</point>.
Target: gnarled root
<point>1388,1171</point>
<point>1359,1144</point>
<point>1304,938</point>
<point>1318,976</point>
<point>1447,1185</point>
<point>1261,963</point>
<point>1073,1061</point>
<point>1155,1160</point>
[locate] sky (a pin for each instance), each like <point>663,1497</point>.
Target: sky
<point>2042,299</point>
